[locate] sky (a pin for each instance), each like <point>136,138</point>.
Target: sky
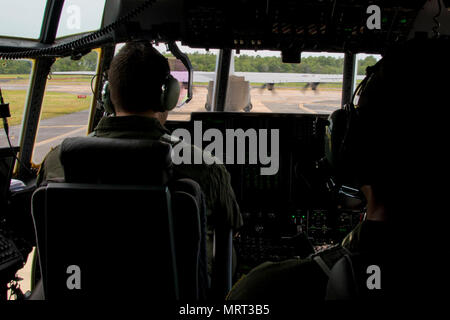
<point>77,16</point>
<point>27,23</point>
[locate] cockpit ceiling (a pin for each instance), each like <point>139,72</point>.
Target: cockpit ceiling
<point>286,25</point>
<point>326,25</point>
<point>304,25</point>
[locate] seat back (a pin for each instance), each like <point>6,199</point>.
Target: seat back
<point>115,214</point>
<point>116,161</point>
<point>105,241</point>
<point>189,210</point>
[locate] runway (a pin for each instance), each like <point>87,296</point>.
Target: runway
<point>51,132</point>
<point>73,88</point>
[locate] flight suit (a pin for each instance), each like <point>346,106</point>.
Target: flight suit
<point>221,205</point>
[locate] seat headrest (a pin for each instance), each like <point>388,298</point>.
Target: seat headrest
<point>116,161</point>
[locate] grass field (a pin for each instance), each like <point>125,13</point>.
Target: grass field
<point>54,104</point>
<point>14,78</point>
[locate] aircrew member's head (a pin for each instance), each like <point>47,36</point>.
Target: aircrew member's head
<point>136,77</point>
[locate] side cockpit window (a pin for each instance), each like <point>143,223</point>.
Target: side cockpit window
<point>14,83</point>
<point>66,105</point>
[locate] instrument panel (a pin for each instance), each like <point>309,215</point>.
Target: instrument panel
<point>276,236</point>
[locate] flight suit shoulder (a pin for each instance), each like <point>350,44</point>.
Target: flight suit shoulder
<point>51,168</point>
<point>287,280</point>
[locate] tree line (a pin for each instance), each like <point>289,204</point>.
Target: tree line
<point>86,63</point>
<point>207,62</point>
<point>245,63</point>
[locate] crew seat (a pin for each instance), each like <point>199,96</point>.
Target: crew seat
<point>120,226</point>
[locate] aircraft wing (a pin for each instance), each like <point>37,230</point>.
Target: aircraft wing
<point>203,76</point>
<point>272,77</point>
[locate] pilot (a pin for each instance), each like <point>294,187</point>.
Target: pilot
<point>391,148</point>
<point>136,76</point>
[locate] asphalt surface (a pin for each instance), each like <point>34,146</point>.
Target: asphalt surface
<point>51,132</point>
<point>73,88</point>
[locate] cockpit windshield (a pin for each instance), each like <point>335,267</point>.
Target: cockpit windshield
<point>80,16</point>
<point>24,19</point>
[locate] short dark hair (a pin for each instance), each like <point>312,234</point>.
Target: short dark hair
<point>136,76</point>
<point>402,119</point>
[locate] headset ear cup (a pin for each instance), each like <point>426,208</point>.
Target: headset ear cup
<point>171,94</point>
<point>106,99</point>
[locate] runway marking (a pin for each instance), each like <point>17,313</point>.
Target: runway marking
<point>60,136</point>
<point>301,106</point>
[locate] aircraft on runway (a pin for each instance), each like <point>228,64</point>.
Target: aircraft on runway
<point>242,83</point>
<point>270,79</point>
<point>275,78</point>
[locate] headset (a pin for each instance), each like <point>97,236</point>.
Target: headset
<point>343,131</point>
<point>169,96</point>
